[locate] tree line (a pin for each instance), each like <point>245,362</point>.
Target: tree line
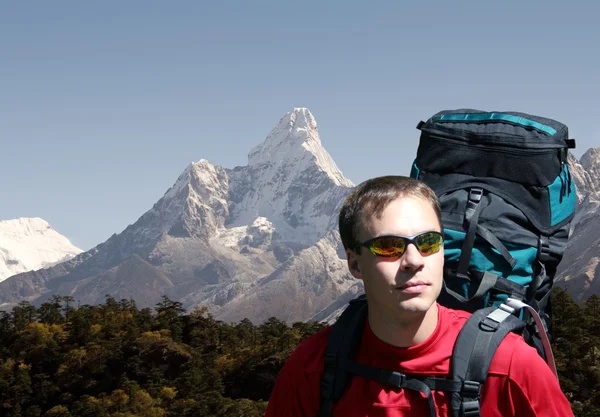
<point>117,360</point>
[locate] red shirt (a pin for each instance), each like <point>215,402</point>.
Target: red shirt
<point>519,382</point>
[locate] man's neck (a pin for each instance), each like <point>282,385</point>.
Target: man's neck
<point>403,330</point>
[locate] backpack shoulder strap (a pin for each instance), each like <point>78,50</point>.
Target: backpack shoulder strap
<point>343,341</point>
<point>475,347</point>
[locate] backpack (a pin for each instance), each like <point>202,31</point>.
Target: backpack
<point>507,201</point>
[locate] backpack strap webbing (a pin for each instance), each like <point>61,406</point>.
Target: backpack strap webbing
<point>475,204</point>
<point>343,341</point>
<point>472,211</point>
<point>401,381</point>
<point>486,281</point>
<point>475,347</point>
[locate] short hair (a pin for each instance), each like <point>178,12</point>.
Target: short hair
<point>371,197</point>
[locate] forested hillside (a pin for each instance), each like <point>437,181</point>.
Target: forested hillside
<point>115,360</point>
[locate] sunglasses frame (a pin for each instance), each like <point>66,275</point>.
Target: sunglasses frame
<point>407,239</point>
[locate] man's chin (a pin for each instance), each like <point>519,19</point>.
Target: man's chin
<point>415,306</point>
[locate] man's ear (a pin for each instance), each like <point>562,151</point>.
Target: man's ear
<point>353,265</point>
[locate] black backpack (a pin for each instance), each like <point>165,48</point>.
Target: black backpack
<point>507,201</point>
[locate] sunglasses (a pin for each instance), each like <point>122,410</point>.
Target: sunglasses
<point>388,246</point>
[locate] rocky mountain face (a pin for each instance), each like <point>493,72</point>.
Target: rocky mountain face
<point>28,244</point>
<point>578,272</point>
<point>254,241</point>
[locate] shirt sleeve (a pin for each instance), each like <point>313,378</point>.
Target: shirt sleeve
<point>292,395</point>
<point>533,390</point>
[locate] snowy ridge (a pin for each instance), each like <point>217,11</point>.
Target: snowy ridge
<point>196,205</point>
<point>28,244</point>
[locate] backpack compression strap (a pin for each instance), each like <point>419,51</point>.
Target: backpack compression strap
<point>399,380</point>
<point>475,347</point>
<point>473,209</point>
<point>417,383</point>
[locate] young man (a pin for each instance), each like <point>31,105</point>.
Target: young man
<point>391,230</point>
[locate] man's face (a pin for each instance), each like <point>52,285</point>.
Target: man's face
<point>408,284</point>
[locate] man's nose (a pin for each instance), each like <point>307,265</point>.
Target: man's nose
<point>411,259</point>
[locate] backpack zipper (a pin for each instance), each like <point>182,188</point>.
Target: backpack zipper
<point>441,132</point>
<point>499,148</point>
<point>495,117</point>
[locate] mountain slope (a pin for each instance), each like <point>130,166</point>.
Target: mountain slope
<point>578,271</point>
<point>308,282</point>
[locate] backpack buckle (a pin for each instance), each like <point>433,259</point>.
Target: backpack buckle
<point>470,409</point>
<point>543,249</point>
<point>493,320</point>
<point>396,379</point>
<point>471,390</point>
<point>475,195</point>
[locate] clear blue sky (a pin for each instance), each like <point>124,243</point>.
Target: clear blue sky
<point>103,104</point>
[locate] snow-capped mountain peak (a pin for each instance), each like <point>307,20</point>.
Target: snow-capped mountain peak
<point>295,142</point>
<point>292,131</point>
<point>291,180</point>
<point>24,226</point>
<point>28,244</point>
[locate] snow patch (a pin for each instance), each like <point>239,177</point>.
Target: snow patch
<point>230,237</point>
